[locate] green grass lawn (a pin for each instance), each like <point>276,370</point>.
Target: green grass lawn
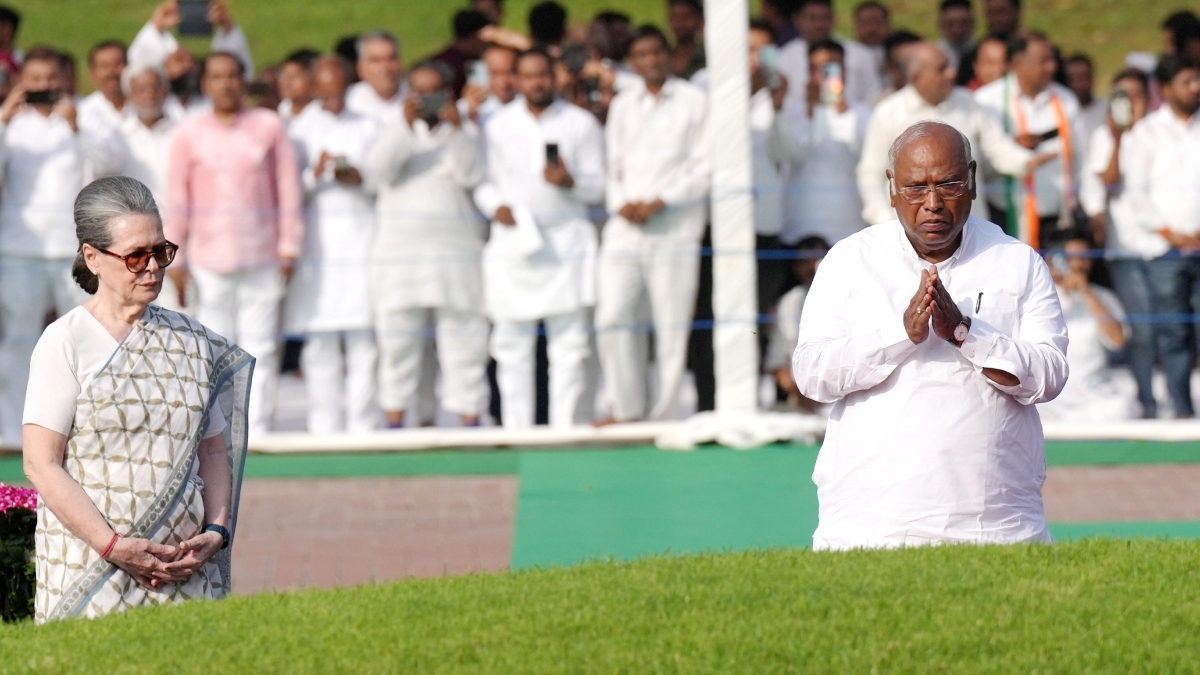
<point>1107,29</point>
<point>1091,606</point>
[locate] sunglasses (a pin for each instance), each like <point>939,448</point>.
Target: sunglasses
<point>136,262</point>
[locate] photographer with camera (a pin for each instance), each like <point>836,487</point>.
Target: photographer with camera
<point>43,160</point>
<point>424,268</point>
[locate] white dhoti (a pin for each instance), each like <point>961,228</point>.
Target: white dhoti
<point>641,270</point>
<point>30,288</point>
<point>244,308</point>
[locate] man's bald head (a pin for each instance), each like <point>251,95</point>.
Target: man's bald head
<point>946,141</point>
<point>929,72</point>
<point>932,182</point>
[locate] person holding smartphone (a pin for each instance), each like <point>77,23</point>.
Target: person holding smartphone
<point>424,263</point>
<point>44,157</point>
<point>545,167</point>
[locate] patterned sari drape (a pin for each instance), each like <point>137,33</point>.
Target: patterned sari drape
<point>133,448</point>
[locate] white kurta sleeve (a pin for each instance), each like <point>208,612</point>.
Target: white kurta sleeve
<point>488,197</point>
<point>152,46</point>
<point>1093,195</point>
<point>872,170</point>
<point>588,172</point>
<point>1137,158</point>
<point>830,362</point>
<point>615,195</point>
<point>1001,151</point>
<point>234,41</point>
<point>392,150</point>
<point>1038,355</point>
<point>465,157</point>
<point>689,180</point>
<point>783,147</point>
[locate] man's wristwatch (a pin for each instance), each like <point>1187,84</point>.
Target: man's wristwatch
<point>960,332</point>
<point>221,531</point>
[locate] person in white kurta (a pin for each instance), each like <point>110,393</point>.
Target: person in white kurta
<point>822,195</point>
<point>930,95</point>
<point>328,298</point>
<point>103,111</point>
<point>658,180</point>
<point>425,259</point>
<point>540,261</point>
<point>380,93</point>
<point>933,335</point>
<point>43,159</point>
<point>1097,325</point>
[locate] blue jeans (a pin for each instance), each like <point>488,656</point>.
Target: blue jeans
<point>1175,287</point>
<point>1131,281</point>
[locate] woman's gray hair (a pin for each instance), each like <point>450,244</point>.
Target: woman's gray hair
<point>922,130</point>
<point>95,208</point>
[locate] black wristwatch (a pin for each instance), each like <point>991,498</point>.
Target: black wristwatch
<point>221,531</point>
<point>959,336</point>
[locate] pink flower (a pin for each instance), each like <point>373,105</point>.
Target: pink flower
<point>17,498</point>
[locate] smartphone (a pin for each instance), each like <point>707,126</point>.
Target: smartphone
<point>1120,108</point>
<point>341,166</point>
<point>832,84</point>
<point>42,97</point>
<point>591,90</point>
<point>768,60</point>
<point>1058,263</point>
<point>432,104</point>
<point>477,74</point>
<point>193,18</point>
<point>552,153</point>
<point>1049,135</point>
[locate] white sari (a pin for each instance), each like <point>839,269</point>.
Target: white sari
<point>133,448</point>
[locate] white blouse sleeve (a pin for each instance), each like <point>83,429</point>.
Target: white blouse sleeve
<point>53,392</point>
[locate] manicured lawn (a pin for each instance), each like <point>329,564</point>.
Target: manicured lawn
<point>1091,606</point>
<point>1107,29</point>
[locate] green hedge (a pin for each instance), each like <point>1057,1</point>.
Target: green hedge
<point>16,563</point>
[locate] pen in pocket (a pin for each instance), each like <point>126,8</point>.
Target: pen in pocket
<point>978,301</point>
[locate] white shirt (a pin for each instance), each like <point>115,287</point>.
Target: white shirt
<point>42,164</point>
<point>774,153</point>
<point>863,78</point>
<point>69,355</point>
<point>1160,161</point>
<point>901,110</point>
<point>428,245</point>
<point>1091,117</point>
<point>152,46</point>
<point>1049,179</point>
<point>1091,394</point>
<point>99,116</point>
<point>330,290</point>
<point>362,99</point>
<point>921,447</point>
<point>546,264</point>
<point>782,342</point>
<point>287,110</point>
<point>145,154</point>
<point>1125,234</point>
<point>822,195</point>
<point>658,149</point>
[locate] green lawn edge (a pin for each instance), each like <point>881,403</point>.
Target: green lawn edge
<point>1089,606</point>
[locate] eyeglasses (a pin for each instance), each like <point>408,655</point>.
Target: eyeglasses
<point>917,194</point>
<point>136,262</point>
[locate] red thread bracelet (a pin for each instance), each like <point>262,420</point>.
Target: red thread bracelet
<point>111,544</point>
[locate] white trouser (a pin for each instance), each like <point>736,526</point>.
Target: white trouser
<point>461,352</point>
<point>338,381</point>
<point>243,307</point>
<point>29,289</point>
<point>662,274</point>
<point>567,346</point>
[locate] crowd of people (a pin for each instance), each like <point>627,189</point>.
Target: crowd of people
<point>416,223</point>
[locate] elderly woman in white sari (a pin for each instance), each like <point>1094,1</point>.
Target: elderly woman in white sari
<point>134,427</point>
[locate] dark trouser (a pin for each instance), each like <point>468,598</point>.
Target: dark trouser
<point>1175,289</point>
<point>1131,281</point>
<point>700,342</point>
<point>772,268</point>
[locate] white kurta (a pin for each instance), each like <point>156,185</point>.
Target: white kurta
<point>145,152</point>
<point>774,153</point>
<point>822,197</point>
<point>1049,179</point>
<point>545,265</point>
<point>1091,395</point>
<point>329,291</point>
<point>863,78</point>
<point>921,448</point>
<point>428,243</point>
<point>1126,236</point>
<point>898,112</point>
<point>361,98</point>
<point>1160,161</point>
<point>99,116</point>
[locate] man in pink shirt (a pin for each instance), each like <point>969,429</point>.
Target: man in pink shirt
<point>234,206</point>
